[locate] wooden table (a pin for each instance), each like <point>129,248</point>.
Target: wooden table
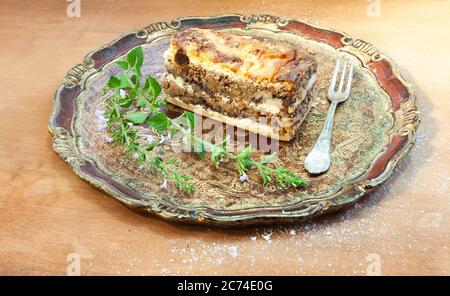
<point>50,218</point>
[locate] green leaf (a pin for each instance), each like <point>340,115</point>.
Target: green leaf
<point>141,102</point>
<point>133,94</point>
<point>159,121</point>
<point>215,154</point>
<point>136,117</point>
<point>268,159</point>
<point>150,147</point>
<point>191,120</point>
<point>135,59</point>
<point>139,56</point>
<point>131,59</point>
<point>152,86</point>
<point>246,153</point>
<point>199,147</point>
<point>156,163</point>
<point>264,172</point>
<point>126,103</point>
<point>201,151</point>
<point>142,157</point>
<point>286,178</point>
<point>124,83</point>
<point>182,182</point>
<point>122,64</point>
<point>113,82</point>
<point>135,80</point>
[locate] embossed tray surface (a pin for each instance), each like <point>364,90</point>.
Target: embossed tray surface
<point>373,130</point>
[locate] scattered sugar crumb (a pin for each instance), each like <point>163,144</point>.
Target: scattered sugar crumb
<point>267,237</point>
<point>234,251</point>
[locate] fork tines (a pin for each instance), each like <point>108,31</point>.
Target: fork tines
<point>337,94</point>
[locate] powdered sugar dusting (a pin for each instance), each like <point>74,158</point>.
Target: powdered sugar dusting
<point>404,223</point>
<point>383,226</point>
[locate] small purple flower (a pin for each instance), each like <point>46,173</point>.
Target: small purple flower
<point>108,140</point>
<point>163,108</point>
<point>150,139</point>
<point>122,93</point>
<point>101,127</point>
<point>166,138</point>
<point>101,120</point>
<point>243,178</point>
<point>164,185</point>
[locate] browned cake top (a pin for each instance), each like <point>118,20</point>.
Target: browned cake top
<point>244,56</point>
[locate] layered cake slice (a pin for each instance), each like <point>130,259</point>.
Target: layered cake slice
<point>254,84</point>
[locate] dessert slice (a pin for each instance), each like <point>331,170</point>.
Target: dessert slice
<point>257,85</point>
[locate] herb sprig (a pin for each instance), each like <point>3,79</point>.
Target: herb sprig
<point>135,100</point>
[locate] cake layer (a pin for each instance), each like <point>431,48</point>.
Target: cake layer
<point>283,129</point>
<point>238,66</point>
<point>194,93</point>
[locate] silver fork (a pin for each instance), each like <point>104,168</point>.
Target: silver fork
<point>319,158</point>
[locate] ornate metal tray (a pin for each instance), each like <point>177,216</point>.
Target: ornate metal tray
<point>373,130</point>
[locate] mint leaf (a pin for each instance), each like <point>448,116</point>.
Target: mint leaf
<point>246,153</point>
<point>136,117</point>
<point>133,94</point>
<point>135,59</point>
<point>265,174</point>
<point>131,58</point>
<point>122,64</point>
<point>268,159</point>
<point>141,103</point>
<point>152,86</point>
<point>124,83</point>
<point>139,57</point>
<point>113,82</point>
<point>126,103</point>
<point>159,121</point>
<point>215,154</point>
<point>135,80</point>
<point>200,149</point>
<point>191,120</point>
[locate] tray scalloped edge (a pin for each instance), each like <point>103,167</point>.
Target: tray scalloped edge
<point>386,71</point>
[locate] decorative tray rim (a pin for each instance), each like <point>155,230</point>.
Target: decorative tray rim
<point>406,121</point>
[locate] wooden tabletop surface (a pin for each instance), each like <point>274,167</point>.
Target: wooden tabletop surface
<point>50,219</point>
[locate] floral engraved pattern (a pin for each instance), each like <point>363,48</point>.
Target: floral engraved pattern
<point>78,73</point>
<point>266,19</point>
<point>64,144</point>
<point>363,47</point>
<point>157,27</point>
<point>408,118</point>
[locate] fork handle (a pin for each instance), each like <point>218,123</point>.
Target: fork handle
<point>319,158</point>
